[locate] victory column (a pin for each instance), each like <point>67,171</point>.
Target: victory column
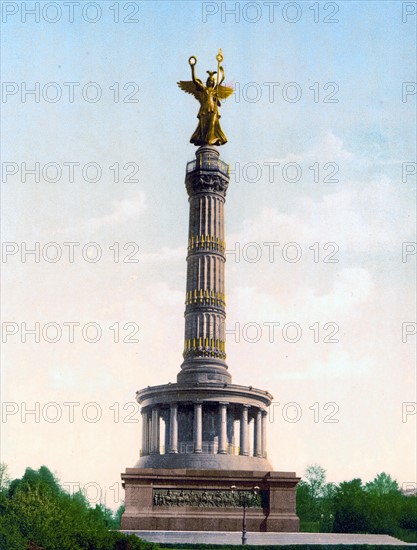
<point>198,477</point>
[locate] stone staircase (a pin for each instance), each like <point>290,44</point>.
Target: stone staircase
<point>235,538</point>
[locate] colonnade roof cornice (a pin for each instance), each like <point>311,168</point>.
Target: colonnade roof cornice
<point>205,392</point>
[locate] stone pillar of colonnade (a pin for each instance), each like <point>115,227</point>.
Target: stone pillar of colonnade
<point>257,435</point>
<point>198,428</point>
<point>244,430</point>
<point>223,428</point>
<point>173,429</point>
<point>155,431</point>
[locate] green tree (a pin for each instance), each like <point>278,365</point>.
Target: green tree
<point>315,496</point>
<point>351,508</point>
<point>36,513</point>
<point>384,504</point>
<point>383,484</point>
<point>118,516</point>
<point>4,477</point>
<point>315,476</point>
<point>408,513</point>
<point>304,502</point>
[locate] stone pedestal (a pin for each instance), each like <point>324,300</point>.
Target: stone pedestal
<point>202,500</point>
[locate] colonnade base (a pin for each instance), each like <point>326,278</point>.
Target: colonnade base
<point>203,500</point>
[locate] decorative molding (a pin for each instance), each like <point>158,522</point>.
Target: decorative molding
<point>205,297</point>
<point>209,348</point>
<point>198,182</point>
<point>206,243</point>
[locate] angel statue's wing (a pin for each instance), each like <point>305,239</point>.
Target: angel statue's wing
<point>223,92</point>
<point>190,87</point>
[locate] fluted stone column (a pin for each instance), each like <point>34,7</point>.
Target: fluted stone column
<point>223,428</point>
<point>207,180</point>
<point>155,431</point>
<point>264,424</point>
<point>257,443</point>
<point>198,427</point>
<point>166,417</point>
<point>145,433</point>
<point>173,429</point>
<point>244,431</point>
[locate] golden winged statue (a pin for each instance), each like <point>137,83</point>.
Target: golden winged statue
<point>208,131</point>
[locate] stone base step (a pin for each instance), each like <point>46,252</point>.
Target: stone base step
<point>210,537</point>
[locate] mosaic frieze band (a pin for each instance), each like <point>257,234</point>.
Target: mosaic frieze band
<point>208,499</point>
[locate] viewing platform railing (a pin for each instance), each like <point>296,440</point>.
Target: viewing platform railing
<point>208,164</point>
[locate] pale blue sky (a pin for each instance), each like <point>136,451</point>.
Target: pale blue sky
<point>370,212</point>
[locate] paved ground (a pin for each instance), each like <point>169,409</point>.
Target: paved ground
<point>209,537</point>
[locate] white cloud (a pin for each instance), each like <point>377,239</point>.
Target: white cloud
<point>165,254</point>
<point>122,211</point>
<point>328,148</point>
<point>341,297</point>
<point>166,296</point>
<point>338,364</point>
<point>360,217</point>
